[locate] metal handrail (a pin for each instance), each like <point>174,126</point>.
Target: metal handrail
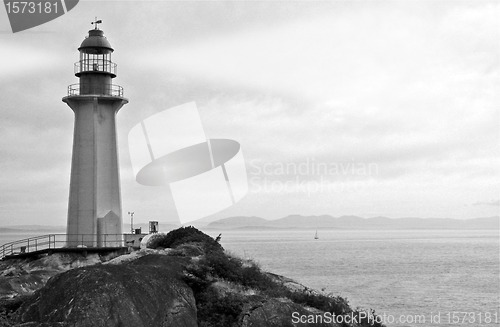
<point>95,65</point>
<point>55,241</point>
<point>91,89</point>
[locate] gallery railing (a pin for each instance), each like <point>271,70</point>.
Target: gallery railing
<point>91,89</point>
<point>95,65</point>
<point>57,241</point>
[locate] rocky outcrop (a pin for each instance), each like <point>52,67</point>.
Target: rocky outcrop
<point>144,292</point>
<point>188,281</point>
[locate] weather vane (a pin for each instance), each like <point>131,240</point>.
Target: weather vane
<point>96,22</point>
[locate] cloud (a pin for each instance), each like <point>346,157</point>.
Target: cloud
<point>411,87</point>
<point>334,56</point>
<point>384,84</point>
<point>21,59</point>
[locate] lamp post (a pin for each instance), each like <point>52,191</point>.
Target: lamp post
<point>131,213</point>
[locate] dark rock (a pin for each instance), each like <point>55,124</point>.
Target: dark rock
<point>145,292</point>
<point>19,277</point>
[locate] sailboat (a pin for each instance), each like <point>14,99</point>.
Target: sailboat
<point>316,235</point>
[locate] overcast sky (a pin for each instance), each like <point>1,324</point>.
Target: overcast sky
<point>369,108</point>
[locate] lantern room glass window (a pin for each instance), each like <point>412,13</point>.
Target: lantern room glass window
<point>95,62</point>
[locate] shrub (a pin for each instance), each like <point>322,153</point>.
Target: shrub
<point>223,266</point>
<point>322,302</point>
<point>215,309</point>
<point>188,250</point>
<point>185,235</point>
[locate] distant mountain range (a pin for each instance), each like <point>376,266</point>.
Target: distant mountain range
<point>353,222</point>
<point>296,222</point>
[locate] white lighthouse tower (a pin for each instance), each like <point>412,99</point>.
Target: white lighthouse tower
<point>94,211</point>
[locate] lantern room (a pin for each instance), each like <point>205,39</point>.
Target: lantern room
<point>95,55</point>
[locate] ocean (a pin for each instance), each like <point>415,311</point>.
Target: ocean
<point>409,277</point>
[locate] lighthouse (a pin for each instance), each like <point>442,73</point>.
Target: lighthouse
<point>94,209</point>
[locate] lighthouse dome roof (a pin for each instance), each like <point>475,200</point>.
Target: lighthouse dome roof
<point>95,40</point>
